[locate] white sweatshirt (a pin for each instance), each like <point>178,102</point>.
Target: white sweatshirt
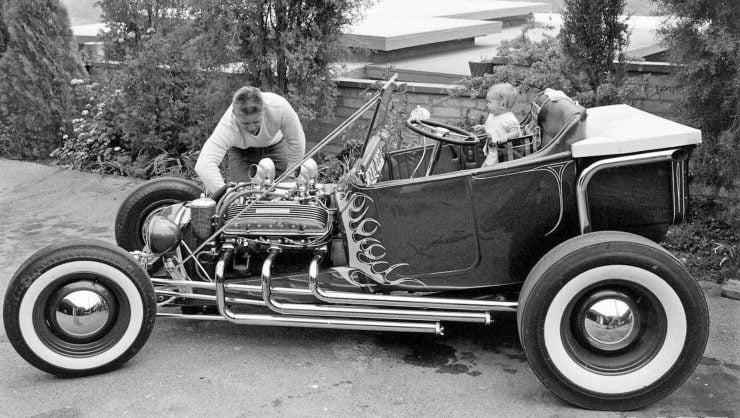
<point>279,121</point>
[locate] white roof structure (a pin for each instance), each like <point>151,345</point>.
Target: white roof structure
<point>396,24</point>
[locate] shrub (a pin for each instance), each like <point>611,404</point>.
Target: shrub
<point>533,66</point>
<point>593,36</point>
<point>157,108</point>
<point>284,46</point>
<point>730,258</point>
<point>3,30</point>
<point>103,138</point>
<point>178,70</point>
<point>708,242</point>
<point>169,103</point>
<point>95,142</point>
<point>36,69</point>
<point>704,38</point>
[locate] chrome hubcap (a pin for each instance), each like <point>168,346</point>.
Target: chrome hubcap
<point>81,310</point>
<point>611,321</point>
<point>82,313</point>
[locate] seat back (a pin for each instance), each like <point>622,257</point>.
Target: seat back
<point>519,147</point>
<point>561,120</point>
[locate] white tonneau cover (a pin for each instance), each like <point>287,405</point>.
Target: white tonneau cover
<point>623,129</point>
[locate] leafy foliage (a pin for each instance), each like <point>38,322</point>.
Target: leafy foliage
<point>95,142</point>
<point>533,66</point>
<point>730,258</point>
<point>285,46</point>
<point>392,128</point>
<point>131,23</point>
<point>708,242</point>
<point>35,73</point>
<point>333,167</point>
<point>102,140</point>
<point>167,102</point>
<point>704,37</point>
<point>181,60</point>
<point>3,30</point>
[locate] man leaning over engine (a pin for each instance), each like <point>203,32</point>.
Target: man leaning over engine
<point>256,125</point>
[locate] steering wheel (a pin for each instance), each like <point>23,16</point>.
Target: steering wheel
<point>465,137</point>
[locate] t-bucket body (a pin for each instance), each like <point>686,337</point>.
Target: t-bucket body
<point>476,227</point>
<point>407,240</point>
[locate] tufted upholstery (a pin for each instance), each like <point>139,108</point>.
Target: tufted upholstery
<point>562,121</point>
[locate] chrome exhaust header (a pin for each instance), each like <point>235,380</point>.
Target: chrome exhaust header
<point>356,311</point>
<point>347,298</point>
<point>309,322</point>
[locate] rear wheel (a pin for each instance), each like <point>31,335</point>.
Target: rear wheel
<point>612,321</point>
<point>79,309</point>
<point>144,202</point>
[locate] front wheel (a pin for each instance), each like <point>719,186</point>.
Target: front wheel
<point>144,202</point>
<point>612,321</point>
<point>79,309</point>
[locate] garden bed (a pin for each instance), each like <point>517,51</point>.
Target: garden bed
<point>708,243</point>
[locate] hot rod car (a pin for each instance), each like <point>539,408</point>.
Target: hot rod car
<point>562,233</point>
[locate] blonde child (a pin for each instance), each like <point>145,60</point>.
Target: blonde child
<point>501,124</point>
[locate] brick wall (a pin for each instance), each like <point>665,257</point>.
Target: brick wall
<point>657,94</point>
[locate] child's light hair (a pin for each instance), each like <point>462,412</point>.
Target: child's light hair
<point>504,91</point>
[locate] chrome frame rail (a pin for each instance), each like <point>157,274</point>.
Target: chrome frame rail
<point>678,185</point>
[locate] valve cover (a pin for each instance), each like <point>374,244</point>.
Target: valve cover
<point>278,219</point>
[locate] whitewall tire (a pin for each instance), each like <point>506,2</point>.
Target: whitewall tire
<point>79,309</point>
<point>612,321</point>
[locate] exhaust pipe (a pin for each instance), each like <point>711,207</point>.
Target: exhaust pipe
<point>357,311</point>
<point>309,322</point>
<point>347,298</point>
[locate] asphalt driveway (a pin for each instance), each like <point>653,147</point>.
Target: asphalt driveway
<point>197,369</point>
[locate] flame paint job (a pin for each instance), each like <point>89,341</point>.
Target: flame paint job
<point>467,229</point>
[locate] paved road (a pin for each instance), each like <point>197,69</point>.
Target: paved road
<point>196,369</point>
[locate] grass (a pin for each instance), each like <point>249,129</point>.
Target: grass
<point>708,242</point>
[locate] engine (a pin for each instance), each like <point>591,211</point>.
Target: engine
<point>252,221</point>
<point>290,215</point>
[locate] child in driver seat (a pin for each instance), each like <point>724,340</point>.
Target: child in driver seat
<point>501,124</point>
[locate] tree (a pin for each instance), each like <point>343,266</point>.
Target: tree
<point>593,36</point>
<point>285,46</point>
<point>3,30</point>
<point>288,46</point>
<point>704,39</point>
<point>35,74</point>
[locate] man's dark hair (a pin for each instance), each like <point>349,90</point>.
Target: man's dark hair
<point>248,99</point>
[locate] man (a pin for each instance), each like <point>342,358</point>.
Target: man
<point>257,125</point>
